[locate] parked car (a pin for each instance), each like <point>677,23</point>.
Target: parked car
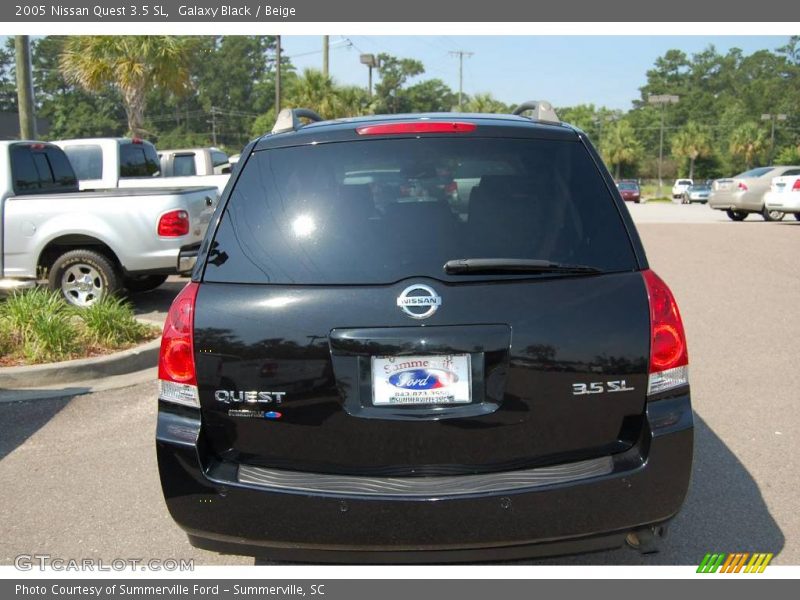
<point>697,192</point>
<point>107,163</point>
<point>784,195</point>
<point>743,194</point>
<point>341,363</point>
<point>680,186</point>
<point>630,191</point>
<point>194,161</point>
<point>89,244</point>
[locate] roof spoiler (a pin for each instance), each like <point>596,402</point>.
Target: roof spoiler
<point>289,119</point>
<point>542,111</point>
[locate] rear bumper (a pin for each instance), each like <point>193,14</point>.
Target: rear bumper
<point>646,485</point>
<point>783,201</point>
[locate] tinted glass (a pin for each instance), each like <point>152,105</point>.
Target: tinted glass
<point>26,177</point>
<point>138,160</point>
<point>87,161</point>
<point>41,170</point>
<point>791,172</point>
<point>632,187</point>
<point>218,159</point>
<point>379,211</point>
<point>183,164</point>
<point>753,173</point>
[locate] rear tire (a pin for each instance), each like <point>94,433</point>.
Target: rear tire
<point>143,283</point>
<point>772,215</point>
<point>83,277</point>
<point>736,215</point>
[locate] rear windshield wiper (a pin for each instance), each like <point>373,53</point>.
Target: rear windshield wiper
<point>475,266</point>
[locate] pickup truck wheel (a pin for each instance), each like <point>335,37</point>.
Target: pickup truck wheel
<point>772,215</point>
<point>83,277</point>
<point>143,283</point>
<point>736,215</point>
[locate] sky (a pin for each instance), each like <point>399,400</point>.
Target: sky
<point>566,70</point>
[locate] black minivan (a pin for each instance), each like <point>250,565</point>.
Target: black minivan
<point>423,338</point>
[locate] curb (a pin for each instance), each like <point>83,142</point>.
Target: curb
<point>139,358</point>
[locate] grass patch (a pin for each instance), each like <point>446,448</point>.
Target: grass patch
<point>38,326</point>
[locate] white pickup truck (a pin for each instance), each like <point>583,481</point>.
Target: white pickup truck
<point>89,243</point>
<point>106,163</point>
<point>190,162</point>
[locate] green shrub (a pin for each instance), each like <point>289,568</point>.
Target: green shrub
<point>111,322</point>
<point>39,326</point>
<point>52,336</point>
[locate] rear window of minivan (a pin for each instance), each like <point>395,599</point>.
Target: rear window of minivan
<point>378,211</point>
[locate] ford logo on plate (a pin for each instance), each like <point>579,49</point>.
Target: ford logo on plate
<point>422,379</point>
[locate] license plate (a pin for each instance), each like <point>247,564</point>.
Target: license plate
<point>421,380</point>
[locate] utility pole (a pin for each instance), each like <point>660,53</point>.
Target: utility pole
<point>325,49</point>
<point>661,100</point>
<point>772,118</point>
<point>27,116</point>
<point>461,54</point>
<point>214,125</point>
<point>278,76</point>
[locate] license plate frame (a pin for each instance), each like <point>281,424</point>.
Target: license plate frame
<point>421,381</point>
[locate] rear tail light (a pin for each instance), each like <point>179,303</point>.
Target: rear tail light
<point>451,188</point>
<point>417,127</point>
<point>742,186</point>
<point>173,224</point>
<point>796,186</point>
<point>176,369</point>
<point>669,358</point>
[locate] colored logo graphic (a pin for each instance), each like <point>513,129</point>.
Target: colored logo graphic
<point>422,379</point>
<point>738,562</point>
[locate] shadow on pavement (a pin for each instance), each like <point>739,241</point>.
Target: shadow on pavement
<point>20,420</point>
<point>155,303</point>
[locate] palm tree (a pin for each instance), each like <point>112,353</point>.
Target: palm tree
<point>747,142</point>
<point>131,63</point>
<point>484,103</point>
<point>315,91</point>
<point>691,142</point>
<point>619,145</point>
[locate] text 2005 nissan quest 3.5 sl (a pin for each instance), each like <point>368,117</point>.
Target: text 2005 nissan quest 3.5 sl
<point>416,338</point>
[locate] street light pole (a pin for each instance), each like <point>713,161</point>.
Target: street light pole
<point>772,118</point>
<point>370,61</point>
<point>661,100</point>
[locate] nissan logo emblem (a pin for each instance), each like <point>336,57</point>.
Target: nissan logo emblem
<point>419,301</point>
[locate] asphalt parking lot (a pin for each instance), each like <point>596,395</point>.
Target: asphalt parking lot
<point>80,479</point>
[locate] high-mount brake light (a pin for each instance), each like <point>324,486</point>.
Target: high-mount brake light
<point>669,358</point>
<point>417,127</point>
<point>176,369</point>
